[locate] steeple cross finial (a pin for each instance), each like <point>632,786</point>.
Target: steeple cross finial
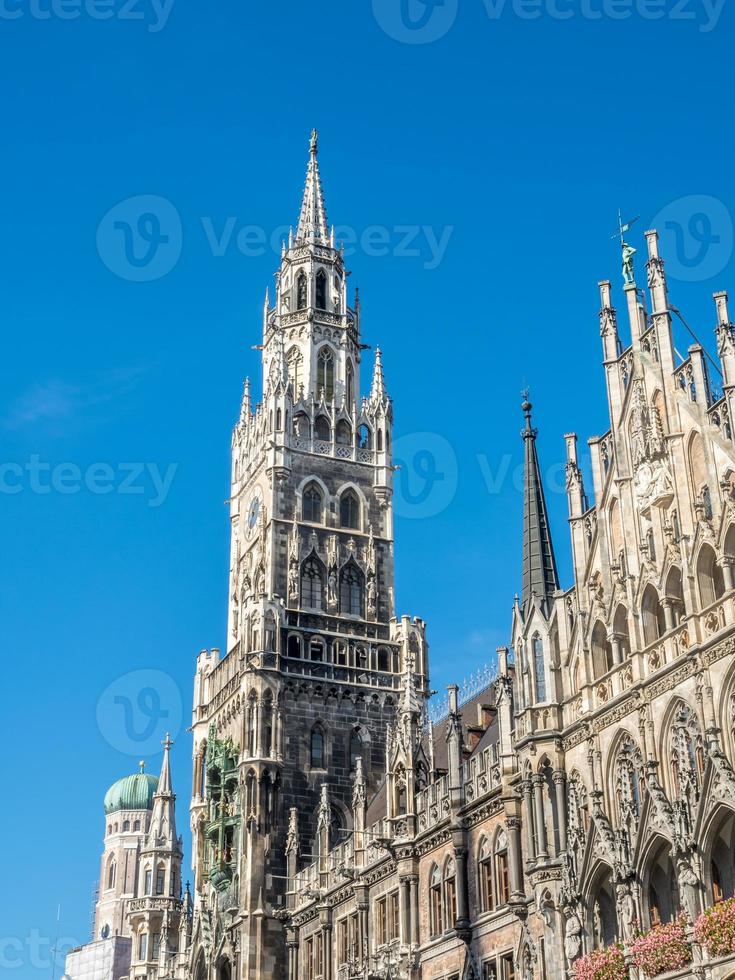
<point>167,742</point>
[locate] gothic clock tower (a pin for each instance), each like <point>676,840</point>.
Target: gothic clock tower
<point>315,659</point>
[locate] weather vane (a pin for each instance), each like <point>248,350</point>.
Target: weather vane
<point>627,250</point>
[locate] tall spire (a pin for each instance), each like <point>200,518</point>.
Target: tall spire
<point>377,390</point>
<point>540,576</point>
<point>313,218</point>
<point>163,818</point>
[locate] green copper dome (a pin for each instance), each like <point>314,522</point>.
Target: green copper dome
<point>131,793</point>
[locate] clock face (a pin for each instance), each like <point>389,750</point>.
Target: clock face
<point>253,514</point>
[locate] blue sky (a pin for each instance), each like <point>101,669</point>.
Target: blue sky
<point>491,157</point>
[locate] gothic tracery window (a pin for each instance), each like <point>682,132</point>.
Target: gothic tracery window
<point>325,374</point>
<point>311,504</point>
<point>301,291</point>
<point>687,753</point>
<point>351,590</point>
<point>321,290</point>
<point>316,748</point>
<point>312,584</point>
<point>539,670</point>
<point>349,510</point>
<point>628,769</point>
<point>485,875</point>
<point>435,902</point>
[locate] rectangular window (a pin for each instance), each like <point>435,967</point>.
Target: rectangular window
<point>155,945</point>
<point>355,944</point>
<point>489,971</point>
<point>486,883</point>
<point>395,916</point>
<point>503,880</point>
<point>143,946</point>
<point>381,922</point>
<point>508,971</point>
<point>309,959</point>
<point>160,881</point>
<point>451,886</point>
<point>319,955</point>
<point>343,941</point>
<point>148,882</point>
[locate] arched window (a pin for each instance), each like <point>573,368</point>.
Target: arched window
<point>312,584</point>
<point>709,577</point>
<point>316,649</point>
<point>160,880</point>
<point>351,590</point>
<point>111,871</point>
<point>295,372</point>
<point>380,441</point>
<point>311,504</point>
<point>148,882</point>
<point>293,646</point>
<point>136,825</point>
<point>675,593</point>
<point>325,374</point>
<point>602,657</point>
<point>620,629</point>
<point>321,290</point>
<point>383,659</point>
<point>349,510</point>
<point>502,874</point>
<point>301,426</point>
<point>301,291</point>
<point>251,718</point>
<point>350,386</point>
<point>663,894</point>
<point>364,437</point>
<point>654,625</point>
<point>539,670</point>
<point>686,748</point>
<point>126,826</point>
<point>485,876</point>
<point>435,902</point>
<point>268,723</point>
<point>316,748</point>
<point>450,893</point>
<point>322,429</point>
<point>355,748</point>
<point>628,768</point>
<point>344,433</point>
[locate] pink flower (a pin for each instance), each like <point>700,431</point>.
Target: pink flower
<point>715,928</point>
<point>663,949</point>
<point>602,964</point>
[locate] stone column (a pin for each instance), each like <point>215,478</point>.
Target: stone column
<point>617,648</point>
<point>327,952</point>
<point>414,910</point>
<point>538,806</point>
<point>405,910</point>
<point>560,780</point>
<point>727,565</point>
<point>528,806</point>
<point>260,741</point>
<point>667,604</point>
<point>514,857</point>
<point>463,909</point>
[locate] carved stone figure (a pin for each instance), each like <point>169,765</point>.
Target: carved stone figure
<point>573,937</point>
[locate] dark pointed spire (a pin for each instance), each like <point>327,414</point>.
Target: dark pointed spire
<point>539,564</point>
<point>313,217</point>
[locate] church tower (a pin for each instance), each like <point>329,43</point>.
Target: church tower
<point>315,661</point>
